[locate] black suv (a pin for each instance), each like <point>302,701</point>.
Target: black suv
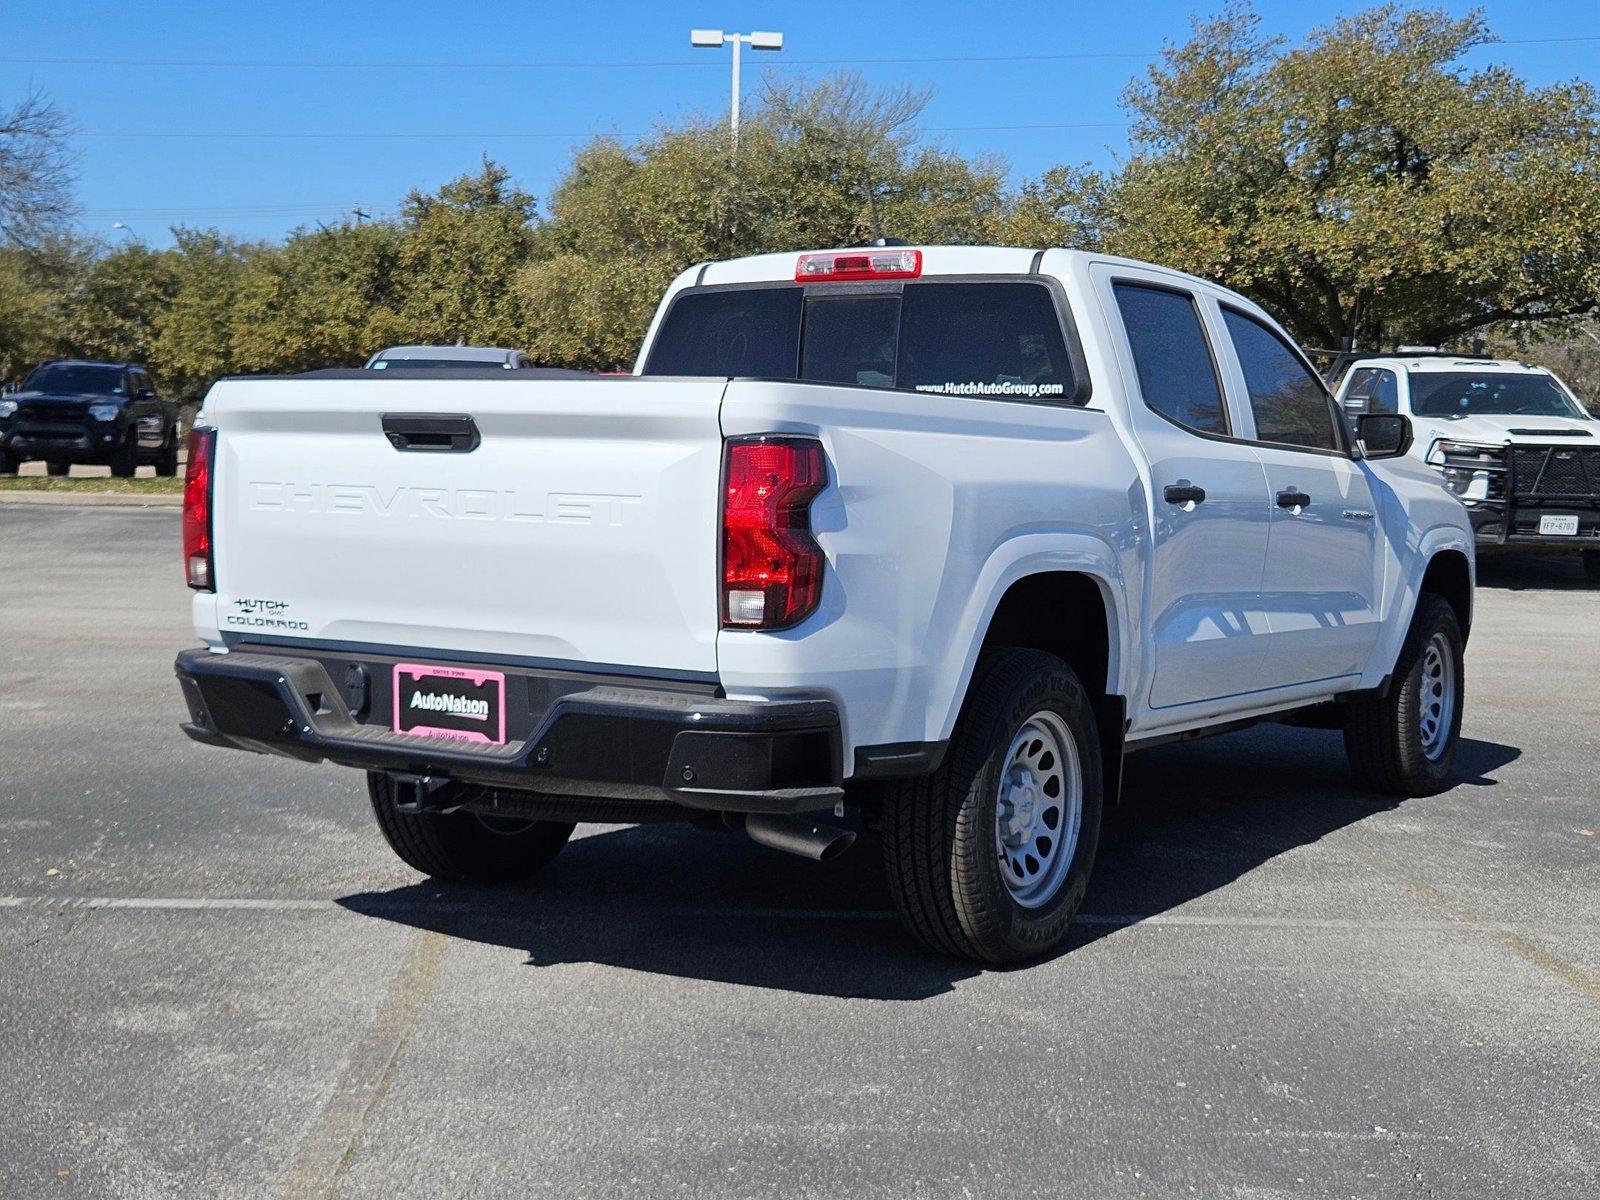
<point>77,411</point>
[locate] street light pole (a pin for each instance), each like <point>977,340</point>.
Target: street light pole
<point>716,38</point>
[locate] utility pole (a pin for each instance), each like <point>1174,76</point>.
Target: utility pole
<point>715,39</point>
<point>359,213</point>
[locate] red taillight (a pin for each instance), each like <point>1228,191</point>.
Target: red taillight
<point>198,564</point>
<point>845,265</point>
<point>771,565</point>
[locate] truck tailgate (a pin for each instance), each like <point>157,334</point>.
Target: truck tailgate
<point>581,529</point>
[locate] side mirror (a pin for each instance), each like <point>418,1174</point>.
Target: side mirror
<point>1383,435</point>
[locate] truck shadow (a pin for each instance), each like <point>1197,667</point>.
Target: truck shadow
<point>1513,571</point>
<point>675,901</point>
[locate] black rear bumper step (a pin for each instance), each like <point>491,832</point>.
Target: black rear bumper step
<point>608,739</point>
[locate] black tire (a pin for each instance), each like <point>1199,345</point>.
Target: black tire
<point>167,459</point>
<point>1384,738</point>
<point>125,458</point>
<point>1591,564</point>
<point>8,464</point>
<point>941,846</point>
<point>463,847</point>
<point>57,468</point>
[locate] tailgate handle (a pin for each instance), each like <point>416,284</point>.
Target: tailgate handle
<point>434,433</point>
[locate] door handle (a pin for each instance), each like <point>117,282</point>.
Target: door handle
<point>1183,493</point>
<point>437,433</point>
<point>1293,499</point>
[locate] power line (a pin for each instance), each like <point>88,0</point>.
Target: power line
<point>626,64</point>
<point>353,135</point>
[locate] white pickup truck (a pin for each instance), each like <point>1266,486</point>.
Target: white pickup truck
<point>1509,438</point>
<point>924,537</point>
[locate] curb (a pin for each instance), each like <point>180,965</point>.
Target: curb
<point>94,499</point>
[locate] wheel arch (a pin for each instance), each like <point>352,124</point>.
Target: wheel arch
<point>1449,576</point>
<point>1074,614</point>
<point>1066,613</point>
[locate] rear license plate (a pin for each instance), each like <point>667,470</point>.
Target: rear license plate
<point>450,702</point>
<point>1558,526</point>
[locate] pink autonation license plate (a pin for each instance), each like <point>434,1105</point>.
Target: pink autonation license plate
<point>459,703</point>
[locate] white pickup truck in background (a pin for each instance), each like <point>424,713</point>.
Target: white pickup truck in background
<point>1509,438</point>
<point>928,536</point>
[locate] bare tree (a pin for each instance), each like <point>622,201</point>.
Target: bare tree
<point>858,121</point>
<point>35,171</point>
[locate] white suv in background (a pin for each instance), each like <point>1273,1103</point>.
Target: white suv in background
<point>1511,439</point>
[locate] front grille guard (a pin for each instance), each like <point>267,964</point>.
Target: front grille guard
<point>1512,497</point>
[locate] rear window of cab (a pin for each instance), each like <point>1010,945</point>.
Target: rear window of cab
<point>1000,340</point>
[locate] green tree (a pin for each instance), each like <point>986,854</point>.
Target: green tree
<point>460,251</point>
<point>32,284</point>
<point>323,299</point>
<point>113,308</point>
<point>1365,186</point>
<point>194,339</point>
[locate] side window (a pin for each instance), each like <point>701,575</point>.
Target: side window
<point>1289,402</point>
<point>983,339</point>
<point>1177,376</point>
<point>1376,387</point>
<point>1385,392</point>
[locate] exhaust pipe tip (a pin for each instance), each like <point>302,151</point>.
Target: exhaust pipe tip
<point>798,835</point>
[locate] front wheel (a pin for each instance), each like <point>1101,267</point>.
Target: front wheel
<point>8,464</point>
<point>167,459</point>
<point>1591,564</point>
<point>1404,743</point>
<point>125,458</point>
<point>988,858</point>
<point>465,847</point>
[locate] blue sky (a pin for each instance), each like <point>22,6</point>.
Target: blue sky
<point>413,69</point>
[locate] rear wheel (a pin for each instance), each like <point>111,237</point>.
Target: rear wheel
<point>1405,742</point>
<point>8,464</point>
<point>465,847</point>
<point>988,857</point>
<point>57,468</point>
<point>1591,564</point>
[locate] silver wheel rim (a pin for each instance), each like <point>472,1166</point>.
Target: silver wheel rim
<point>1039,810</point>
<point>1437,696</point>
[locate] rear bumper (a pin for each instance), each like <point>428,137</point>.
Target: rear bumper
<point>575,736</point>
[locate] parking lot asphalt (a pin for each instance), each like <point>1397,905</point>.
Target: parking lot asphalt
<point>216,981</point>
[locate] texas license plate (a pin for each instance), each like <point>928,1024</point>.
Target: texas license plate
<point>458,703</point>
<point>1558,526</point>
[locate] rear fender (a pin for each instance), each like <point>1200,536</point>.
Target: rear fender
<point>1036,554</point>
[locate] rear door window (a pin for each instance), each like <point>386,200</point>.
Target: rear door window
<point>1177,376</point>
